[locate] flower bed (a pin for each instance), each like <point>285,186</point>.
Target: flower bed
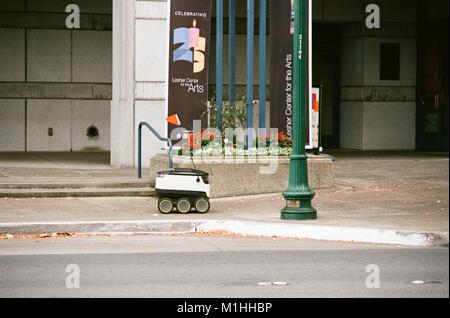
<point>212,144</point>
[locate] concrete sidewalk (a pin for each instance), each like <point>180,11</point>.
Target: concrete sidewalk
<point>378,199</point>
<point>69,167</point>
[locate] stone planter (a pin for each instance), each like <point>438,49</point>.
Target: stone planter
<point>247,176</point>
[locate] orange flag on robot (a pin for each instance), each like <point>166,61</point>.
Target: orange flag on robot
<point>174,120</point>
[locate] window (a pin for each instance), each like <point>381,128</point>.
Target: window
<point>390,61</point>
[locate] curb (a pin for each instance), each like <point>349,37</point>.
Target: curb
<point>250,228</point>
<point>100,227</point>
<point>328,233</point>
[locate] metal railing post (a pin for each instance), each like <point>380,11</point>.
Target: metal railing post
<point>169,143</point>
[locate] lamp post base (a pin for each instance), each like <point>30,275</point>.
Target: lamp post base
<point>298,210</point>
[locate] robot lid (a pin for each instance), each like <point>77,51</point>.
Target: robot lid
<point>184,172</point>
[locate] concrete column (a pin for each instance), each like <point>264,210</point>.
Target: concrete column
<point>151,70</point>
<point>122,106</point>
<point>377,114</point>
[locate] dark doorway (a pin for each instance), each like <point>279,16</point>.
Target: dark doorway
<point>326,72</point>
<point>432,101</point>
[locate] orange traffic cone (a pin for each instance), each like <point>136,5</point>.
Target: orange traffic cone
<point>174,120</point>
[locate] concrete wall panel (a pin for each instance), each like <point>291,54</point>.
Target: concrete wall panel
<point>407,61</point>
<point>347,10</point>
<point>351,125</point>
<point>398,10</point>
<point>12,125</point>
<point>352,66</point>
<point>389,126</point>
<point>12,55</point>
<point>151,50</point>
<point>85,114</point>
<point>12,5</point>
<point>92,56</point>
<point>49,56</point>
<point>45,114</point>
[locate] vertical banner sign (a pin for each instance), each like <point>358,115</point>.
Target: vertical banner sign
<point>282,70</point>
<point>282,65</point>
<point>190,26</point>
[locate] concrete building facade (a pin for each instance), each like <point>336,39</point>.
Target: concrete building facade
<point>55,83</point>
<point>384,89</point>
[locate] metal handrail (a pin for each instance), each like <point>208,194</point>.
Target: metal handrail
<point>169,143</point>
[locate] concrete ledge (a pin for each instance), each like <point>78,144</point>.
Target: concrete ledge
<point>35,90</point>
<point>249,228</point>
<point>248,176</point>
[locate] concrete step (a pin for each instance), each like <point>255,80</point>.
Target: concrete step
<point>76,193</point>
<point>53,185</point>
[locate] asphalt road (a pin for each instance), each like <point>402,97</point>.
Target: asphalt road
<point>159,266</point>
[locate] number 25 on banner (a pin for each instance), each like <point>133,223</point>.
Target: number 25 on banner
<point>190,39</point>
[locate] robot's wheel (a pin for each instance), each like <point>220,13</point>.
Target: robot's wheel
<point>202,205</point>
<point>165,205</point>
<point>184,205</point>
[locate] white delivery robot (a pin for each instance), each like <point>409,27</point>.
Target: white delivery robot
<point>183,190</point>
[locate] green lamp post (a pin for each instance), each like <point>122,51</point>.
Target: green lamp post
<point>299,195</point>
